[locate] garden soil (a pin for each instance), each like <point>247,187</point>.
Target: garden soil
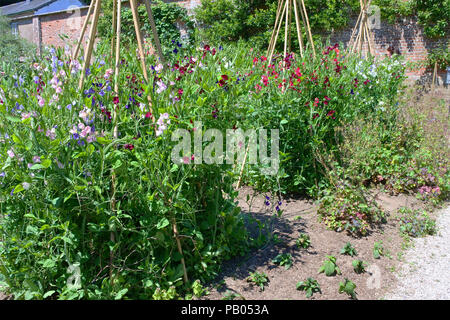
<point>299,215</point>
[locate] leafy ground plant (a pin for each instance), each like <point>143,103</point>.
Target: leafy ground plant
<point>378,249</point>
<point>310,286</point>
<point>284,259</point>
<point>348,249</point>
<point>415,223</point>
<point>359,266</point>
<point>348,287</point>
<point>303,241</point>
<point>259,279</point>
<point>329,267</point>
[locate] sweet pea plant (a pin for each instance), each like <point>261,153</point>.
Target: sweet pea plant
<point>85,215</point>
<point>69,230</point>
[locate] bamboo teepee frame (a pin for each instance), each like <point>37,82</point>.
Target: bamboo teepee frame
<point>93,14</point>
<point>362,34</point>
<point>284,12</point>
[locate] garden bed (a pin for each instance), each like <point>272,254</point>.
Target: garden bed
<point>299,216</point>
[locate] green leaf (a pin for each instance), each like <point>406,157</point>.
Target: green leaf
<point>164,222</point>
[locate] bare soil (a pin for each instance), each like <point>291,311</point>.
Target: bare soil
<point>299,216</point>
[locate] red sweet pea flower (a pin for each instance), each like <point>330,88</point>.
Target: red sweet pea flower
<point>148,115</point>
<point>116,100</point>
<point>129,147</point>
<point>265,80</point>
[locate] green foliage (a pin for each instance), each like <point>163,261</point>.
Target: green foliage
<point>166,16</point>
<point>198,289</point>
<point>64,232</point>
<point>348,287</point>
<point>346,207</point>
<point>259,279</point>
<point>329,267</point>
<point>231,20</point>
<point>415,223</point>
<point>310,286</point>
<point>359,266</point>
<point>15,52</point>
<point>284,259</point>
<point>348,249</point>
<point>303,241</point>
<point>378,249</point>
<point>434,16</point>
<point>441,56</point>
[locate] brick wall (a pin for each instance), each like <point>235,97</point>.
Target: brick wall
<point>407,37</point>
<point>68,23</point>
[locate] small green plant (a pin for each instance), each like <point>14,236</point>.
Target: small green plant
<point>348,287</point>
<point>348,249</point>
<point>378,249</point>
<point>416,224</point>
<point>259,279</point>
<point>329,267</point>
<point>310,286</point>
<point>284,259</point>
<point>198,289</point>
<point>359,266</point>
<point>303,241</point>
<point>230,295</point>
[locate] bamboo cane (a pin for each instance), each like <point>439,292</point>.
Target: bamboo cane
<point>286,31</point>
<point>115,132</point>
<point>114,27</point>
<point>83,30</point>
<point>278,32</point>
<point>308,28</point>
<point>88,54</point>
<point>297,24</point>
<point>154,31</point>
<point>141,50</point>
<point>275,27</point>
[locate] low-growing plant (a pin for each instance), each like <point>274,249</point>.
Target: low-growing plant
<point>359,266</point>
<point>259,279</point>
<point>329,267</point>
<point>284,259</point>
<point>303,241</point>
<point>345,207</point>
<point>348,287</point>
<point>378,250</point>
<point>348,249</point>
<point>310,286</point>
<point>415,223</point>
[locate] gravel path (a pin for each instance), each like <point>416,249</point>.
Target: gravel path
<point>425,275</point>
